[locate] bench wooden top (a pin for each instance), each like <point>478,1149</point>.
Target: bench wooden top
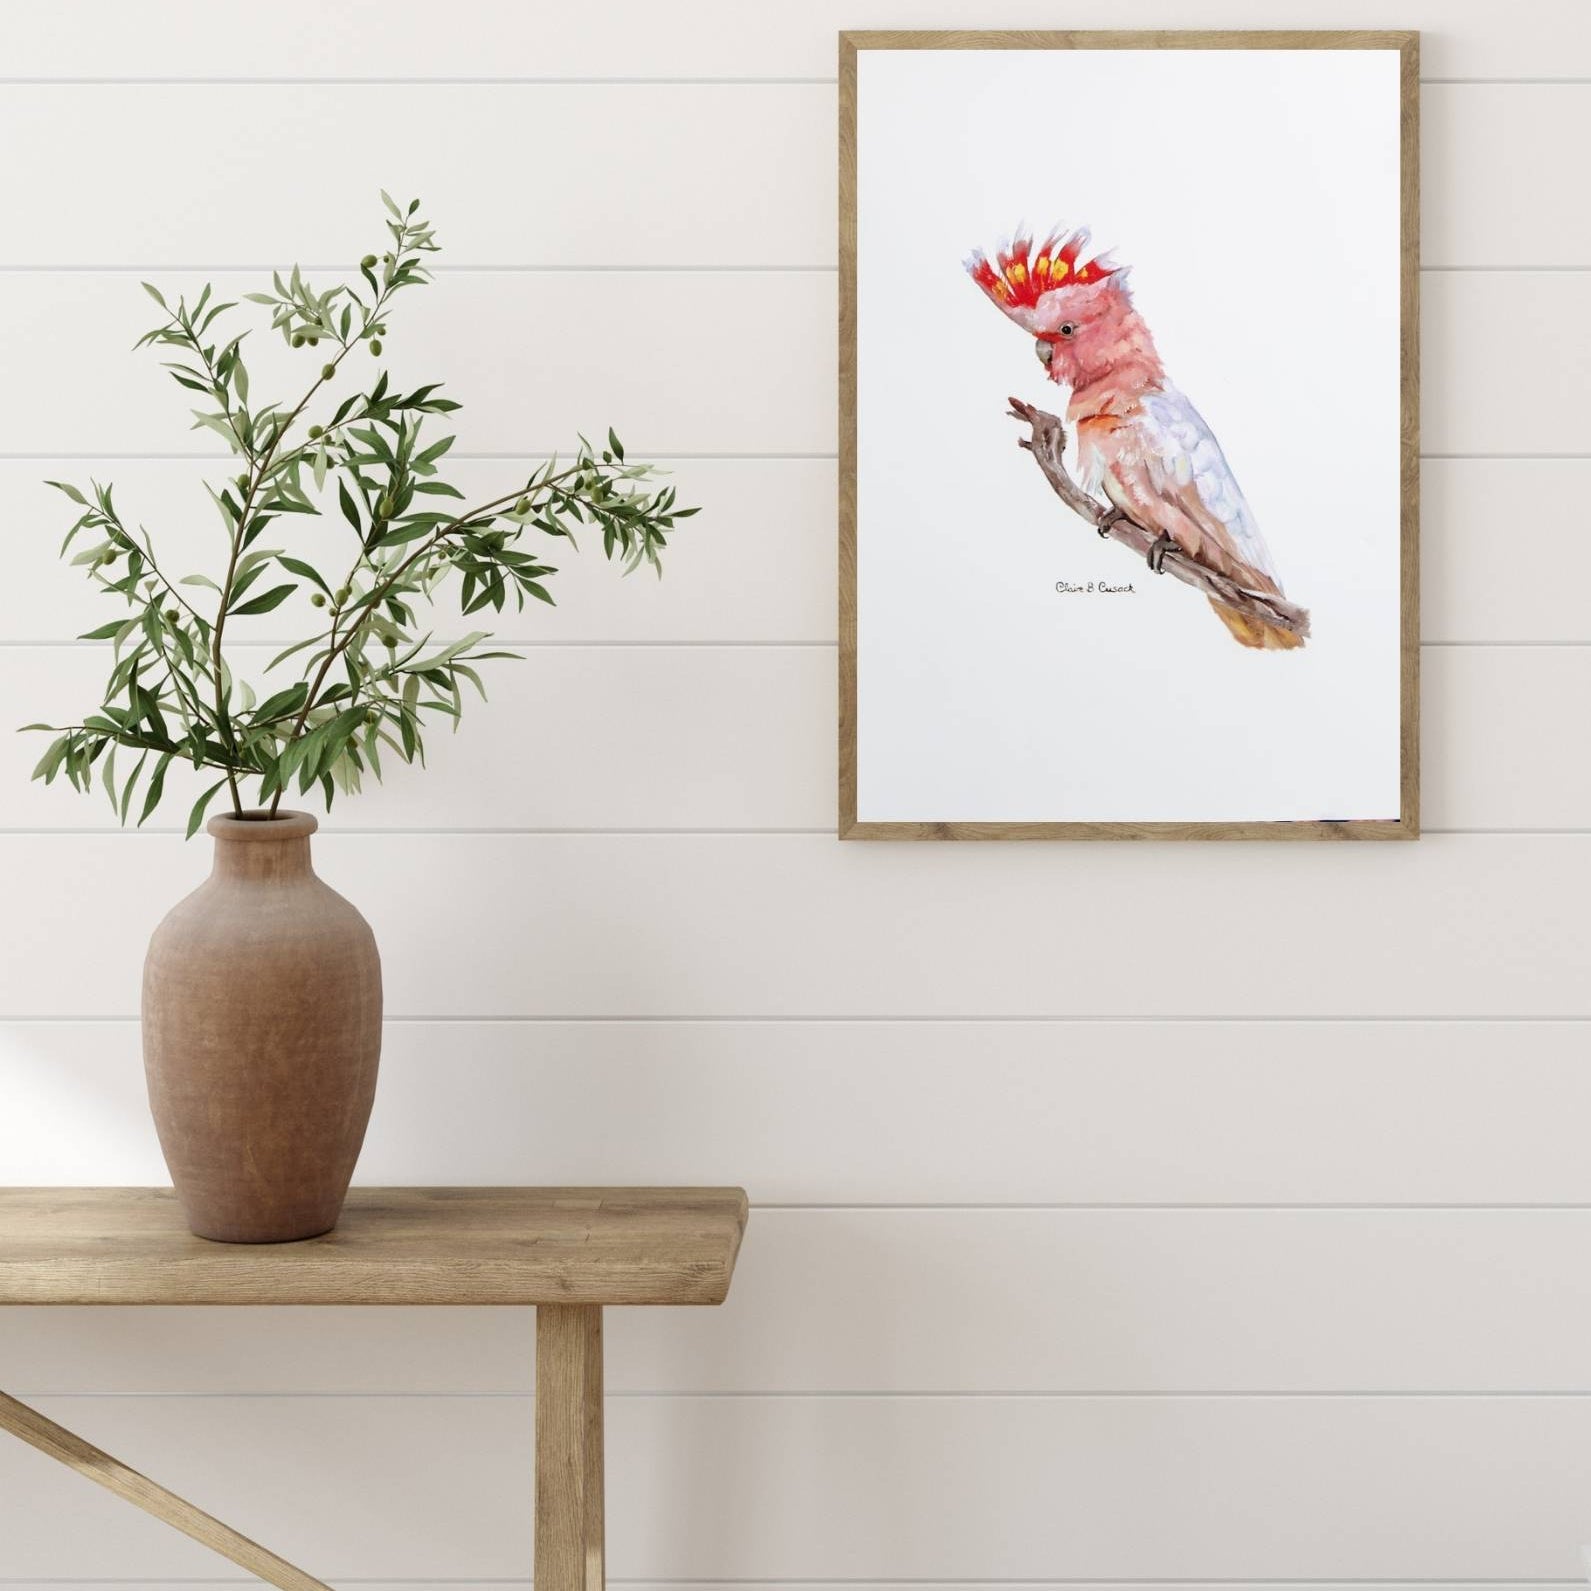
<point>392,1246</point>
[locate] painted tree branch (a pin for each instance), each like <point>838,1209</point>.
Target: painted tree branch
<point>1047,444</point>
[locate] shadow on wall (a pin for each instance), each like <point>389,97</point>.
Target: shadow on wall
<point>68,1110</point>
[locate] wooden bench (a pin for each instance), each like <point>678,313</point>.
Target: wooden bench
<point>568,1251</point>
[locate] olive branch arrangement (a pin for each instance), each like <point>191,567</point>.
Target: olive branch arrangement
<point>370,675</point>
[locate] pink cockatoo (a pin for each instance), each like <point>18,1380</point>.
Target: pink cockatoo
<point>1138,437</point>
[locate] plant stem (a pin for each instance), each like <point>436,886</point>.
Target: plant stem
<point>144,551</point>
<point>127,738</point>
<point>336,648</point>
<point>261,466</point>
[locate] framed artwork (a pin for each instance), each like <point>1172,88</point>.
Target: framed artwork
<point>1129,435</point>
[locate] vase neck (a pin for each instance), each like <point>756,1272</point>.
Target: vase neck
<point>256,849</point>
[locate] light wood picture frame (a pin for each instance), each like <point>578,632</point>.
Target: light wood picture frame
<point>958,687</point>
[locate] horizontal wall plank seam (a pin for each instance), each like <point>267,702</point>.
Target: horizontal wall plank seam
<point>677,645</point>
<point>462,82</point>
<point>1171,1207</point>
<point>658,453</point>
<point>125,268</point>
<point>101,455</point>
<point>695,833</point>
<point>898,1017</point>
<point>1161,1207</point>
<point>245,268</point>
<point>574,82</point>
<point>1018,1395</point>
<point>507,639</point>
<point>513,269</point>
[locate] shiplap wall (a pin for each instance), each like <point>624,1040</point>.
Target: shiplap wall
<point>1112,1223</point>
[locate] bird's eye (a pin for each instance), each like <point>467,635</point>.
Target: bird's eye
<point>1044,350</point>
<point>1067,328</point>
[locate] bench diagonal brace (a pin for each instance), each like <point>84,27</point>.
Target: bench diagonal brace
<point>71,1450</point>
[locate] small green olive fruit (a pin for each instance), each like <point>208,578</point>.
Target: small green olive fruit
<point>375,345</point>
<point>317,599</point>
<point>522,506</point>
<point>314,342</point>
<point>172,615</point>
<point>316,432</point>
<point>384,508</point>
<point>343,595</point>
<point>298,339</point>
<point>327,372</point>
<point>368,262</point>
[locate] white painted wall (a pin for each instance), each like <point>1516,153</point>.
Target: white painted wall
<point>1261,1260</point>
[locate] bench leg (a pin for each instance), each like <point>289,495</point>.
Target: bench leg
<point>569,1541</point>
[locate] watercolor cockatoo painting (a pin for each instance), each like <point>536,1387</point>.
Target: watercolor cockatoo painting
<point>1139,439</point>
<point>1205,353</point>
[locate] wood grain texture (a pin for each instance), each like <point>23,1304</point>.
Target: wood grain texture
<point>1408,48</point>
<point>1406,825</point>
<point>569,1459</point>
<point>1128,39</point>
<point>87,1460</point>
<point>846,624</point>
<point>393,1246</point>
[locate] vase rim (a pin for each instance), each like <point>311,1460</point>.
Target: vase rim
<point>257,826</point>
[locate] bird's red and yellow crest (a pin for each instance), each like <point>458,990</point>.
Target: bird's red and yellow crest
<point>1018,278</point>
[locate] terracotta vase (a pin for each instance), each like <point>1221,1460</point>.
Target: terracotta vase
<point>262,1030</point>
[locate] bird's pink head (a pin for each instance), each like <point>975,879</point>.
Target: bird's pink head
<point>1079,312</point>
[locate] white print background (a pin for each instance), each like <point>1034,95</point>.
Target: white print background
<point>1255,193</point>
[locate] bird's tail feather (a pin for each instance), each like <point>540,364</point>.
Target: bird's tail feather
<point>1255,632</point>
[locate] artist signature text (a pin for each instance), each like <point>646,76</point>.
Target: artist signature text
<point>1090,588</point>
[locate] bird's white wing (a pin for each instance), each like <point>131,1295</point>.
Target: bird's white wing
<point>1179,449</point>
